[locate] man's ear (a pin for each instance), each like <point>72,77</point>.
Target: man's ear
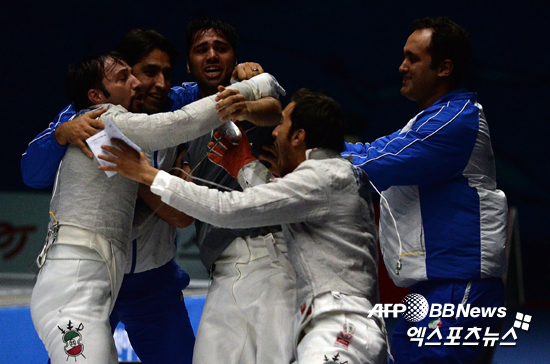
<point>188,69</point>
<point>96,96</point>
<point>446,68</point>
<point>298,137</point>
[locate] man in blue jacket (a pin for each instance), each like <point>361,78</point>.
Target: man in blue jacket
<point>442,220</point>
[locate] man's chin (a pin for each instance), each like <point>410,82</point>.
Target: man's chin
<point>212,84</point>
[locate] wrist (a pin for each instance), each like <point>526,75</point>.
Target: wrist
<point>59,137</point>
<point>148,176</point>
<point>234,170</point>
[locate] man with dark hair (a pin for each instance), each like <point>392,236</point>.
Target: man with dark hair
<point>138,44</point>
<point>323,203</point>
<point>250,300</point>
<point>83,261</point>
<point>442,219</point>
<point>150,303</point>
<point>215,56</point>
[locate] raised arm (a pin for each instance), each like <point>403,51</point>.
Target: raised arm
<point>262,112</point>
<point>159,131</point>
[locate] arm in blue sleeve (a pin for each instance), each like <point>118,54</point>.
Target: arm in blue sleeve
<point>182,95</point>
<point>436,147</point>
<point>40,161</point>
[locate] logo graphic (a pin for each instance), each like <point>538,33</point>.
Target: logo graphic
<point>417,307</point>
<point>522,321</point>
<point>335,360</point>
<point>72,339</point>
<point>13,239</point>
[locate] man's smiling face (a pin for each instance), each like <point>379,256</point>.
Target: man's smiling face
<point>155,73</point>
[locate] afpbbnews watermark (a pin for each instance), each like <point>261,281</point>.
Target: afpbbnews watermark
<point>416,308</point>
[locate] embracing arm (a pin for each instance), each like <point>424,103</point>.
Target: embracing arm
<point>40,161</point>
<point>295,198</point>
<point>429,150</point>
<point>299,196</point>
<point>262,112</point>
<point>159,131</point>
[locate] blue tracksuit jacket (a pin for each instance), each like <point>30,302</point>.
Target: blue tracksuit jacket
<point>438,180</point>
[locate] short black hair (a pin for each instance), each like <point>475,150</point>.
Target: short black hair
<point>449,41</point>
<point>138,43</point>
<point>321,118</point>
<point>198,27</point>
<point>86,75</point>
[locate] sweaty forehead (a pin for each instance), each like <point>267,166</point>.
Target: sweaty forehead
<point>206,35</point>
<point>112,67</point>
<point>112,63</point>
<point>154,58</point>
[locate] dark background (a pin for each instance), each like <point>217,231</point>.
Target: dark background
<point>349,50</point>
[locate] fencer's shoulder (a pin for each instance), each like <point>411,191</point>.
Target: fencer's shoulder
<point>326,163</point>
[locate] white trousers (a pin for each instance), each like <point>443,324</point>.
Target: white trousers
<point>249,310</point>
<point>72,300</point>
<point>335,328</point>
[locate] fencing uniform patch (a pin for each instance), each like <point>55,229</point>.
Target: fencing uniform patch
<point>349,328</point>
<point>72,340</point>
<point>335,360</point>
<point>343,340</point>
